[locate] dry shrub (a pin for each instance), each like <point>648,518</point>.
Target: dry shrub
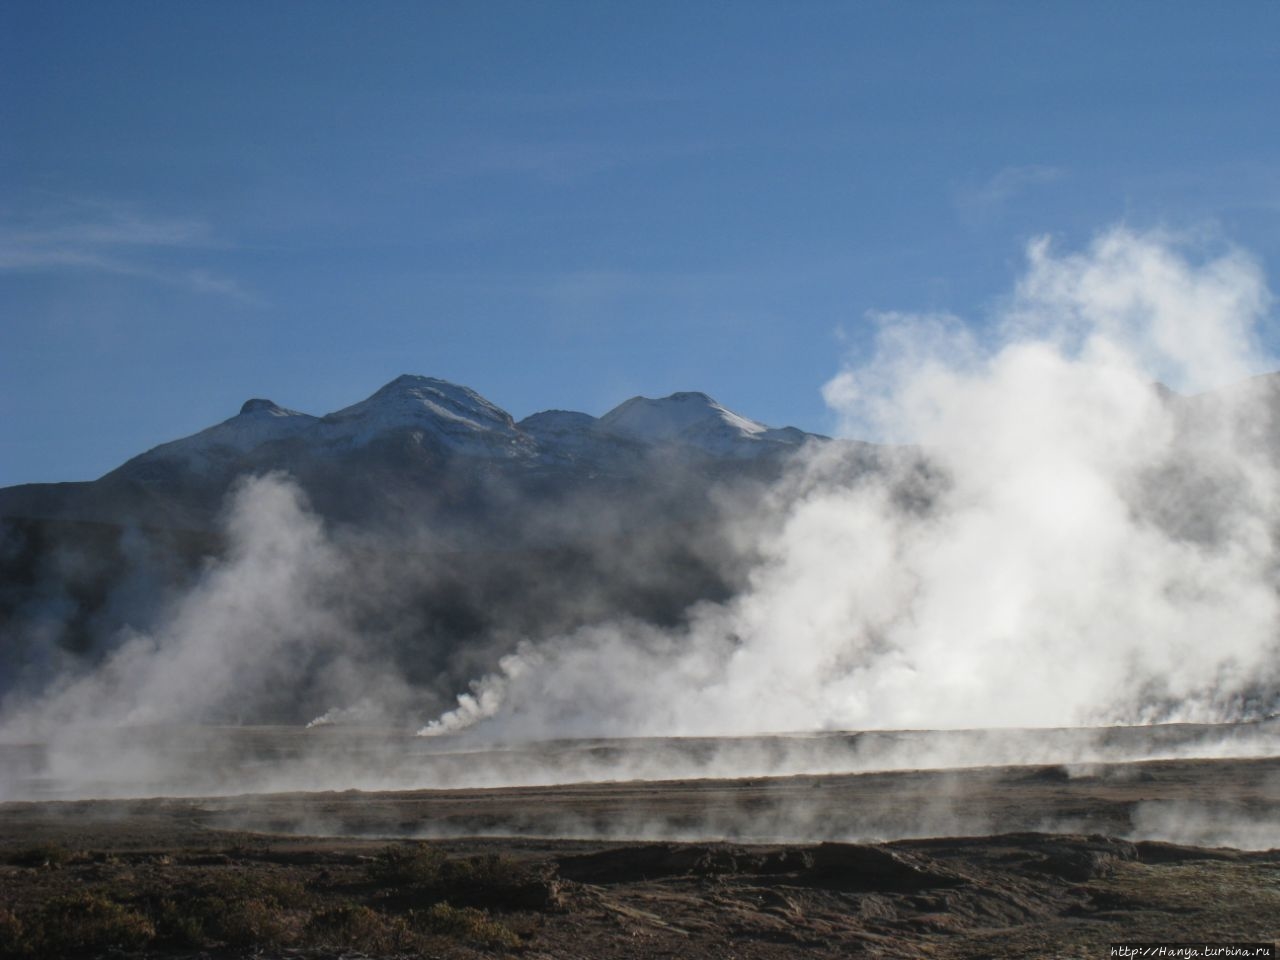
<point>353,926</point>
<point>74,925</point>
<point>465,923</point>
<point>416,865</point>
<point>279,891</point>
<point>240,923</point>
<point>41,855</point>
<point>11,934</point>
<point>179,923</point>
<point>235,910</point>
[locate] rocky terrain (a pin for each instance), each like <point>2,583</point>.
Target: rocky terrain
<point>248,876</point>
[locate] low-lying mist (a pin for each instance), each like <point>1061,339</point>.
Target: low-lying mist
<point>1060,529</point>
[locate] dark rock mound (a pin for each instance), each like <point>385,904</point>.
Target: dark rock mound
<point>854,867</point>
<point>834,866</point>
<point>1157,851</point>
<point>1078,859</point>
<point>650,861</point>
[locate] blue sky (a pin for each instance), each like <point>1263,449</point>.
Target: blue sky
<point>567,204</point>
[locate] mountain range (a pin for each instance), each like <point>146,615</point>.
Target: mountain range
<point>419,444</point>
<point>454,533</point>
<point>456,528</point>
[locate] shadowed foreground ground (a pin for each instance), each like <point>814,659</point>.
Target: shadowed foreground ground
<point>352,875</point>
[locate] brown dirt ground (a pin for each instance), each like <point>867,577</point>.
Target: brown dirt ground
<point>362,875</point>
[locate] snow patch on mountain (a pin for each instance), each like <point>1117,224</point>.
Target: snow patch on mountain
<point>259,422</point>
<point>455,416</point>
<point>696,420</point>
<point>448,418</point>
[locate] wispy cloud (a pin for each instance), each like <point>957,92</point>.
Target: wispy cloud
<point>989,198</point>
<point>101,237</point>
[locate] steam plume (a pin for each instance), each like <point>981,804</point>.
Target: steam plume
<point>1066,542</point>
<point>1046,537</point>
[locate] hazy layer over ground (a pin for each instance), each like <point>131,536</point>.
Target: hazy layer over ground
<point>942,766</point>
<point>326,875</point>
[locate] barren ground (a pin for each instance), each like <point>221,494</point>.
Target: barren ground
<point>461,873</point>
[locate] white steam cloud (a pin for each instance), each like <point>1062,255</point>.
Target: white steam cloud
<point>253,624</point>
<point>1047,538</point>
<point>1066,541</point>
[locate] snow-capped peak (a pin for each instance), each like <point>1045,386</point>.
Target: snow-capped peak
<point>671,418</point>
<point>456,415</point>
<point>408,400</point>
<point>440,416</point>
<point>696,420</point>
